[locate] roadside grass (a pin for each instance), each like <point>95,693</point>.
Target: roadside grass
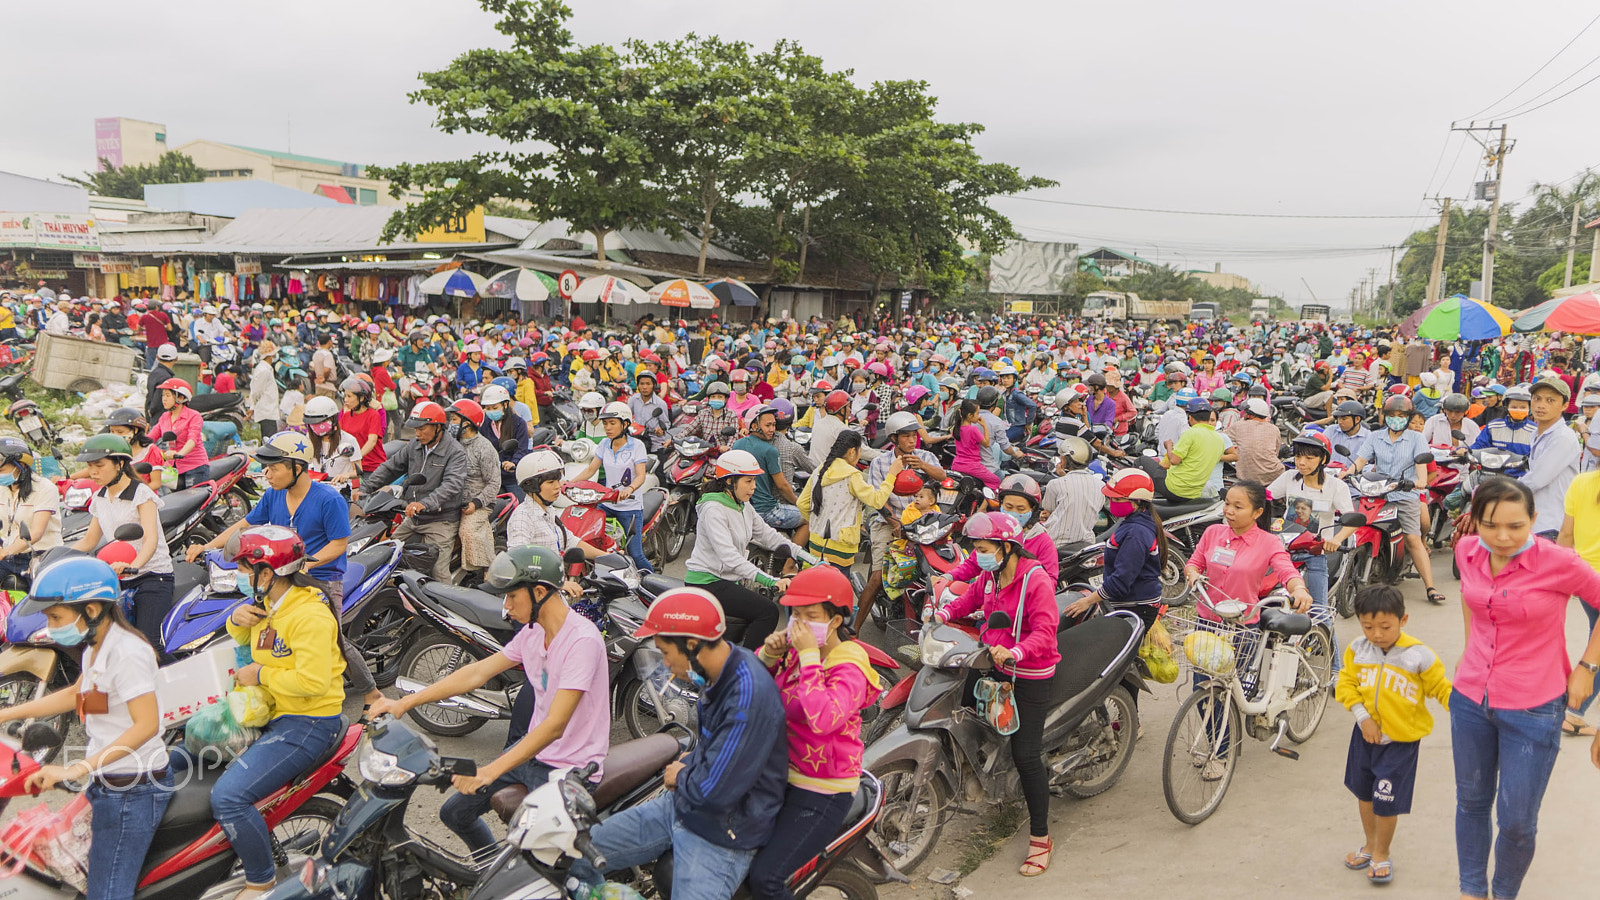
<point>984,840</point>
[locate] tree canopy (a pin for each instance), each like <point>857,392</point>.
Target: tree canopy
<point>128,182</point>
<point>766,152</point>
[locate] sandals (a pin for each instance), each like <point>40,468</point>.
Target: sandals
<point>1386,867</point>
<point>1358,860</point>
<point>1583,729</point>
<point>1037,848</point>
<point>1435,597</point>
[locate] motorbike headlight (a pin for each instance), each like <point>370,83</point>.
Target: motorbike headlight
<point>223,581</point>
<point>931,532</point>
<point>381,768</point>
<point>933,649</point>
<point>629,577</point>
<point>357,545</point>
<point>78,498</point>
<point>584,496</point>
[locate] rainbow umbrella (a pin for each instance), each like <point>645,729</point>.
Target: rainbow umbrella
<point>1578,314</point>
<point>1532,318</point>
<point>1463,318</point>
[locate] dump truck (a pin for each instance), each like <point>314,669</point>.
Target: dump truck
<point>1110,306</point>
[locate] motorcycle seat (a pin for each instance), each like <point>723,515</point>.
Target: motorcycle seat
<point>357,566</point>
<point>652,503</point>
<point>219,469</point>
<point>627,766</point>
<point>500,504</point>
<point>473,605</point>
<point>213,401</point>
<point>541,435</point>
<point>180,505</point>
<point>656,585</point>
<point>1167,510</point>
<point>1283,622</point>
<point>1086,651</point>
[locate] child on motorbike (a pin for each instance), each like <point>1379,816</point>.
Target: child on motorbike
<point>824,679</point>
<point>116,700</point>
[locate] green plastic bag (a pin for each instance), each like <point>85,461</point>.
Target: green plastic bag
<point>214,734</point>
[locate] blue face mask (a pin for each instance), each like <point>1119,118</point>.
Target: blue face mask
<point>698,680</point>
<point>494,414</point>
<point>989,562</point>
<point>1396,423</point>
<point>716,404</point>
<point>1020,518</point>
<point>68,636</point>
<point>7,480</point>
<point>1515,553</point>
<point>242,581</point>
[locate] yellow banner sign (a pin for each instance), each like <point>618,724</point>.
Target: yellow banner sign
<point>467,229</point>
<point>1023,307</point>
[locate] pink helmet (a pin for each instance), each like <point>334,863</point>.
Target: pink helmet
<point>878,367</point>
<point>993,526</point>
<point>914,394</point>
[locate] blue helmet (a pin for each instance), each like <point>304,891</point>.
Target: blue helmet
<point>1186,395</point>
<point>915,366</point>
<point>507,383</point>
<point>71,581</point>
<point>981,372</point>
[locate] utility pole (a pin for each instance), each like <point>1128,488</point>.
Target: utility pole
<point>1374,310</point>
<point>1572,246</point>
<point>1436,273</point>
<point>1388,299</point>
<point>1495,155</point>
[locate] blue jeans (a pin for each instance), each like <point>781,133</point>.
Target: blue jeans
<point>1594,616</point>
<point>783,517</point>
<point>632,522</point>
<point>122,825</point>
<point>701,870</point>
<point>286,749</point>
<point>463,813</point>
<point>1316,578</point>
<point>1517,748</point>
<point>806,823</point>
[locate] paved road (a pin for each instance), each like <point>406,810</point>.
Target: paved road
<point>1284,826</point>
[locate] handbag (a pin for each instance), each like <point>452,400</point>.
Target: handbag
<point>55,843</point>
<point>997,704</point>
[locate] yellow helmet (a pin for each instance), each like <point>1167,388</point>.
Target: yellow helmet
<point>285,446</point>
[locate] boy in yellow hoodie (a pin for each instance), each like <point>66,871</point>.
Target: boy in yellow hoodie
<point>1387,677</point>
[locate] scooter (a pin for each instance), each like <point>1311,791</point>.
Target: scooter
<point>942,753</point>
<point>1376,551</point>
<point>685,473</point>
<point>189,856</point>
<point>586,521</point>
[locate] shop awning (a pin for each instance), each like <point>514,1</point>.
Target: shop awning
<point>335,192</point>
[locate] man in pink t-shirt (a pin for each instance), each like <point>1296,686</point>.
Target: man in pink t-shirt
<point>564,658</point>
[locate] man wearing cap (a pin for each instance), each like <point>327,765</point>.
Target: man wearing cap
<point>1392,452</point>
<point>1553,455</point>
<point>433,504</point>
<point>1257,440</point>
<point>1172,422</point>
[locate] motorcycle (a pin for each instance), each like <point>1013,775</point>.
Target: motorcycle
<point>189,856</point>
<point>585,520</point>
<point>1376,551</point>
<point>685,473</point>
<point>1481,463</point>
<point>942,753</point>
<point>214,407</point>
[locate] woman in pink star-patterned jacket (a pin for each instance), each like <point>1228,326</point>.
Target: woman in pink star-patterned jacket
<point>825,680</point>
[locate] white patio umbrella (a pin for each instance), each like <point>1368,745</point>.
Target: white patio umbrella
<point>609,289</point>
<point>525,285</point>
<point>454,283</point>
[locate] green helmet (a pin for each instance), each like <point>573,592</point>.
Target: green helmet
<point>523,566</point>
<point>105,446</point>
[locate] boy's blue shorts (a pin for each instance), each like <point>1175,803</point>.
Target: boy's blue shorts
<point>1382,773</point>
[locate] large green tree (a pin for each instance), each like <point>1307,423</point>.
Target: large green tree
<point>128,182</point>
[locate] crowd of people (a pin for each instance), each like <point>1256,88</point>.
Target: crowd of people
<point>883,399</point>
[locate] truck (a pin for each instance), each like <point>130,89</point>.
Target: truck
<point>1110,306</point>
<point>1315,312</point>
<point>1205,311</point>
<point>1261,309</point>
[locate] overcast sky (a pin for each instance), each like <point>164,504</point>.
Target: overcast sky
<point>1250,107</point>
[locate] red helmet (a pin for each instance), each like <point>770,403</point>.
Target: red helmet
<point>118,552</point>
<point>907,483</point>
<point>684,612</point>
<point>469,410</point>
<point>1315,440</point>
<point>426,413</point>
<point>821,386</point>
<point>836,401</point>
<point>177,386</point>
<point>274,546</point>
<point>1130,484</point>
<point>820,584</point>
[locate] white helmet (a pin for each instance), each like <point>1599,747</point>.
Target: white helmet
<point>736,462</point>
<point>167,352</point>
<point>900,423</point>
<point>493,394</point>
<point>536,464</point>
<point>617,410</point>
<point>591,400</point>
<point>320,409</point>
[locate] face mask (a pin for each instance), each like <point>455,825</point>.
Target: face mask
<point>1516,415</point>
<point>1020,518</point>
<point>322,428</point>
<point>989,562</point>
<point>68,636</point>
<point>455,430</point>
<point>1396,423</point>
<point>1120,508</point>
<point>739,389</point>
<point>242,580</point>
<point>1515,553</point>
<point>494,414</point>
<point>819,631</point>
<point>7,480</point>
<point>717,404</point>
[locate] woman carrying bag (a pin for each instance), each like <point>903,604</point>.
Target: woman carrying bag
<point>116,700</point>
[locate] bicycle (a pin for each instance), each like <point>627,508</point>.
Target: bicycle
<point>1268,678</point>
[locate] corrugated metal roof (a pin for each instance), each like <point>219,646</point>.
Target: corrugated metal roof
<point>20,193</point>
<point>516,229</point>
<point>393,265</point>
<point>626,239</point>
<point>231,199</point>
<point>301,157</point>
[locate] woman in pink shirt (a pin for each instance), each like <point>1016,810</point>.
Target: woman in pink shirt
<point>1514,682</point>
<point>825,680</point>
<point>189,450</point>
<point>1208,378</point>
<point>1013,582</point>
<point>1238,555</point>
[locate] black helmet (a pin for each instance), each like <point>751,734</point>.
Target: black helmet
<point>1350,408</point>
<point>128,417</point>
<point>1456,403</point>
<point>988,396</point>
<point>1397,404</point>
<point>523,566</point>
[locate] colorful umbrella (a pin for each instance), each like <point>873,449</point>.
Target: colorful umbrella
<point>1578,314</point>
<point>609,289</point>
<point>1463,318</point>
<point>1532,318</point>
<point>683,293</point>
<point>736,293</point>
<point>520,284</point>
<point>1408,326</point>
<point>454,283</point>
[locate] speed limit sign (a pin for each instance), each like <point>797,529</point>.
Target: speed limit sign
<point>567,283</point>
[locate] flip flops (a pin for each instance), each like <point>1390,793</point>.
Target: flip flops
<point>1357,860</point>
<point>1387,867</point>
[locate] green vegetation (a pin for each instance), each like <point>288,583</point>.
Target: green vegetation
<point>984,840</point>
<point>128,182</point>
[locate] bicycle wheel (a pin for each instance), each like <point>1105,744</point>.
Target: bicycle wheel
<point>1316,668</point>
<point>1204,742</point>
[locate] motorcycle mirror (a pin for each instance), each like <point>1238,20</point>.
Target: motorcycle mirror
<point>39,737</point>
<point>729,431</point>
<point>130,532</point>
<point>142,469</point>
<point>509,445</point>
<point>414,479</point>
<point>1423,458</point>
<point>347,451</point>
<point>1458,434</point>
<point>24,532</point>
<point>573,556</point>
<point>456,765</point>
<point>168,436</point>
<point>1352,520</point>
<point>1341,449</point>
<point>1286,451</point>
<point>999,619</point>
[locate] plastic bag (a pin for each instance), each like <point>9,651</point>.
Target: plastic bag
<point>251,706</point>
<point>391,402</point>
<point>1156,651</point>
<point>214,734</point>
<point>56,843</point>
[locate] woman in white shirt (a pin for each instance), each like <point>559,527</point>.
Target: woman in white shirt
<point>116,699</point>
<point>26,498</point>
<point>334,452</point>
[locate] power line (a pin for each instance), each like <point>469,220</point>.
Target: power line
<point>1541,68</point>
<point>1580,87</point>
<point>1190,212</point>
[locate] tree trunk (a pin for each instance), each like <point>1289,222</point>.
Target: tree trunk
<point>805,243</point>
<point>600,242</point>
<point>705,241</point>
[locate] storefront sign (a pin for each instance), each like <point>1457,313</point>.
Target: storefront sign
<point>117,265</point>
<point>65,231</point>
<point>16,229</point>
<point>467,229</point>
<point>86,260</point>
<point>247,265</point>
<point>108,143</point>
<point>1024,307</point>
<point>50,274</point>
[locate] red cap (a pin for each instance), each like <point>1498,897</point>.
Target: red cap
<point>684,612</point>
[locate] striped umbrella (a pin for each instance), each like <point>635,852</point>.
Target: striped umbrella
<point>454,283</point>
<point>1578,314</point>
<point>682,292</point>
<point>610,290</point>
<point>1463,318</point>
<point>525,285</point>
<point>1532,318</point>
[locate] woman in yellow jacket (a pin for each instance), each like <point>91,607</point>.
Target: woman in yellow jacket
<point>293,637</point>
<point>834,500</point>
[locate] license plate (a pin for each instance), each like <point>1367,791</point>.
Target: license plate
<point>946,495</point>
